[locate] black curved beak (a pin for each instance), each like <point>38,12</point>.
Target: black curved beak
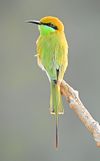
<point>34,22</point>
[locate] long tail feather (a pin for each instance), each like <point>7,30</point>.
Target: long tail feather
<point>57,136</point>
<point>56,107</point>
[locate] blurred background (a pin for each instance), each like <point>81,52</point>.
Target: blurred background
<point>27,130</point>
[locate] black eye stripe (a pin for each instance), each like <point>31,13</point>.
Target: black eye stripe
<point>50,25</point>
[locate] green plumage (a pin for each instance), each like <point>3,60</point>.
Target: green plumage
<point>55,99</point>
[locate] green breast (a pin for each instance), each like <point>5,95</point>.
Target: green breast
<point>44,30</point>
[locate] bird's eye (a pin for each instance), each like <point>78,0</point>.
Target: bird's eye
<point>51,25</point>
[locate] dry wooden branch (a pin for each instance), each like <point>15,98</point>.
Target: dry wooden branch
<point>75,103</point>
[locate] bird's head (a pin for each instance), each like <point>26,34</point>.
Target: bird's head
<point>48,24</point>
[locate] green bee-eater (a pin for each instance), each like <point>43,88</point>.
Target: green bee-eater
<point>52,57</point>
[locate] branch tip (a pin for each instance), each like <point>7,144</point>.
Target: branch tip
<point>72,98</point>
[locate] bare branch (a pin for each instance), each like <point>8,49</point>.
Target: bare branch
<point>75,103</point>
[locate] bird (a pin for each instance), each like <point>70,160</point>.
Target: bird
<point>52,57</point>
